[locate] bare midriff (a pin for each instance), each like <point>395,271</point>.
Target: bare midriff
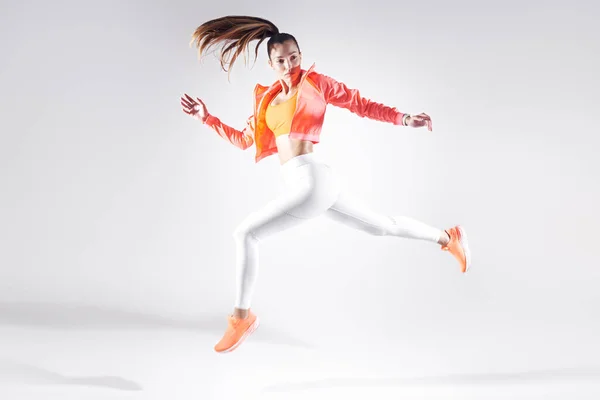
<point>289,148</point>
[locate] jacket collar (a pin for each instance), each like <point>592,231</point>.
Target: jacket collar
<point>262,90</point>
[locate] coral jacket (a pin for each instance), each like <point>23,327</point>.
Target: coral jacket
<point>315,92</point>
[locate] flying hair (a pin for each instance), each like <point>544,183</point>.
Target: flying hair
<point>234,33</point>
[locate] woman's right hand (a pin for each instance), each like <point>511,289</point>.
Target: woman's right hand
<point>194,108</point>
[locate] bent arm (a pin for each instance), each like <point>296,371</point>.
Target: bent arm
<point>242,139</point>
<point>338,94</point>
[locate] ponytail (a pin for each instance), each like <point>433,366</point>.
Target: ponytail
<point>236,33</point>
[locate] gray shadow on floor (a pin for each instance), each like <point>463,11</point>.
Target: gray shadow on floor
<point>589,374</point>
<point>14,372</point>
<point>69,316</point>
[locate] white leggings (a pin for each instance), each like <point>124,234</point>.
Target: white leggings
<point>310,189</point>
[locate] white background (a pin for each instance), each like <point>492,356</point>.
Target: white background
<point>117,209</point>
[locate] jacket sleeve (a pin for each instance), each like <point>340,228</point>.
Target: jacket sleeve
<point>338,94</point>
<point>242,139</point>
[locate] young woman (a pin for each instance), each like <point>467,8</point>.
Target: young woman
<point>287,120</point>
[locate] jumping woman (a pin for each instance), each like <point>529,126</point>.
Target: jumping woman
<point>287,120</point>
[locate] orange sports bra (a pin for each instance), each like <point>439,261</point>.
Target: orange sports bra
<point>279,117</point>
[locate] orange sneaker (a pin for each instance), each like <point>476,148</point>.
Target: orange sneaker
<point>459,247</point>
<point>237,331</point>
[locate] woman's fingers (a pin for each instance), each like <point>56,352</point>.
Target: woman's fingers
<point>189,110</point>
<point>426,119</point>
<point>189,98</point>
<point>188,102</point>
<point>422,120</point>
<point>194,108</point>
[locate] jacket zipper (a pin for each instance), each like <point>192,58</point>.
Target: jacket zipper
<point>299,92</point>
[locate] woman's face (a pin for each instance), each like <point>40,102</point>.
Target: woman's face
<point>286,60</point>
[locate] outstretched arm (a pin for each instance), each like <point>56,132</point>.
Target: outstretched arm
<point>242,139</point>
<point>197,110</point>
<point>338,94</point>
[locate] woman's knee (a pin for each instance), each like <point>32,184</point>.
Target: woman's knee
<point>244,232</point>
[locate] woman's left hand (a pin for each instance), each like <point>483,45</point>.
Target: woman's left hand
<point>417,121</point>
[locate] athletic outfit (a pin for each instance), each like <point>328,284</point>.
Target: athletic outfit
<point>310,186</point>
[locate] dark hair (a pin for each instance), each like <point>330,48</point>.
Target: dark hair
<point>237,32</point>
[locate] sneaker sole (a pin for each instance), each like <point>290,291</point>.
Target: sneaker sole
<point>464,242</point>
<point>248,332</point>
